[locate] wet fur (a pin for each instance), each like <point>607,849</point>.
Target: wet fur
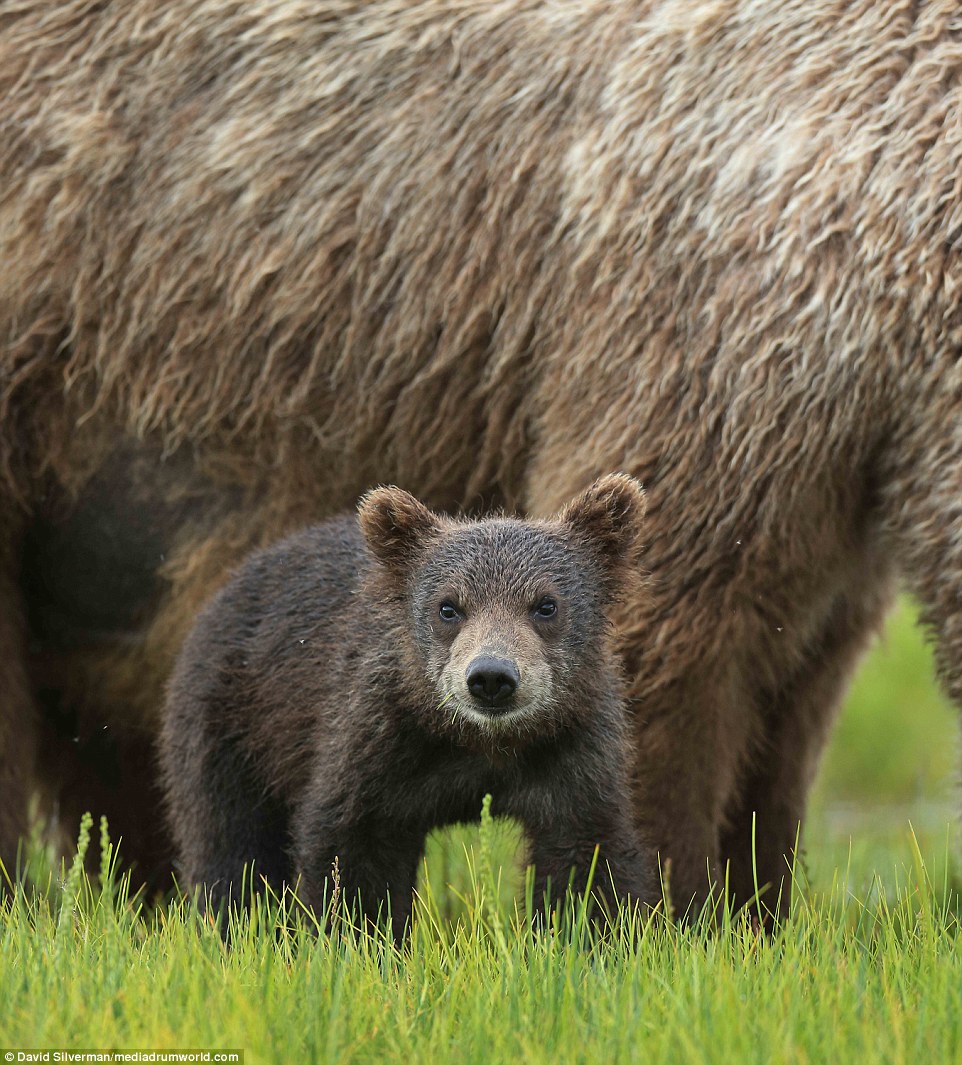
<point>490,251</point>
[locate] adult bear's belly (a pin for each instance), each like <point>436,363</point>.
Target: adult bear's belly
<point>98,592</point>
<point>91,562</point>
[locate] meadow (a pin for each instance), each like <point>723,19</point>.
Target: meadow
<point>868,967</point>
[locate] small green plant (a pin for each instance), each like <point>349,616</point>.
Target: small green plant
<point>75,880</point>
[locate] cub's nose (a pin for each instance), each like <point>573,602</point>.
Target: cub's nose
<point>492,681</point>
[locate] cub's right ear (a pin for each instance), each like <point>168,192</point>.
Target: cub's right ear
<point>608,518</point>
<point>395,525</point>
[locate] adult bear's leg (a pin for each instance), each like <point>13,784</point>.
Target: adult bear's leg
<point>763,822</point>
<point>922,505</point>
<point>18,720</point>
<point>688,749</point>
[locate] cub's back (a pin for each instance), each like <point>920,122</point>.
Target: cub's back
<point>263,661</point>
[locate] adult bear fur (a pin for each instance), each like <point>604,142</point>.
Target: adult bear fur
<point>320,709</point>
<point>275,253</point>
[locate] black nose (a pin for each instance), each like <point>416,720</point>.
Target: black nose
<point>492,681</point>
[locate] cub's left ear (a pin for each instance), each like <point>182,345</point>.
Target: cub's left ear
<point>608,518</point>
<point>395,525</point>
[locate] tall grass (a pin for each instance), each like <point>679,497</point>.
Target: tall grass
<point>871,978</point>
<point>867,969</point>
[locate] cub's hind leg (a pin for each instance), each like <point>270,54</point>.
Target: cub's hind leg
<point>231,833</point>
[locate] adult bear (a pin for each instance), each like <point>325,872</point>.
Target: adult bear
<point>257,257</point>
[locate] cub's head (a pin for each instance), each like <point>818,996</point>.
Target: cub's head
<point>507,618</point>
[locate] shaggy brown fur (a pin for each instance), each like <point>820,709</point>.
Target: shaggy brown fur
<point>280,251</point>
<point>371,678</point>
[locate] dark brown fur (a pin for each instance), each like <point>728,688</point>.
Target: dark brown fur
<point>321,708</point>
<point>257,257</point>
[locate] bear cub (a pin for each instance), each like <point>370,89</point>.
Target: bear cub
<point>373,677</point>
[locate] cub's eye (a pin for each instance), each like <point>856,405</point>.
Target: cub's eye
<point>547,608</point>
<point>449,612</point>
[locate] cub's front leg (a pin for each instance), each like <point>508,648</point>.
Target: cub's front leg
<point>375,872</point>
<point>573,805</point>
<point>563,855</point>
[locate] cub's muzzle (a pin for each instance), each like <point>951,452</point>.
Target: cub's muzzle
<point>492,682</point>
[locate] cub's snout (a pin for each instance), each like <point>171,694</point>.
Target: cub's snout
<point>492,682</point>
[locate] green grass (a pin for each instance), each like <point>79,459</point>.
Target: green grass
<point>869,968</point>
<point>897,740</point>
